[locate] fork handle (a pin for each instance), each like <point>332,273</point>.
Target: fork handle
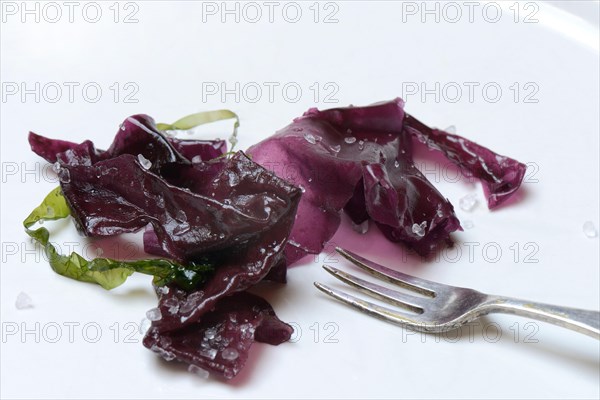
<point>582,321</point>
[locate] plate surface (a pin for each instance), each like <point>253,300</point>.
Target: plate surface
<point>520,78</point>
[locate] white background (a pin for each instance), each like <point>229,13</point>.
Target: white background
<point>375,51</point>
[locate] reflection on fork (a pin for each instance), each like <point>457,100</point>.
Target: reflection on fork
<point>442,307</point>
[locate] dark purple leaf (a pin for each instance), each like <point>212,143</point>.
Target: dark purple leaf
<point>241,265</point>
<point>197,176</point>
<point>278,272</point>
<point>48,148</point>
<point>84,153</point>
<point>136,135</point>
<point>501,176</point>
<point>219,341</point>
<point>242,203</point>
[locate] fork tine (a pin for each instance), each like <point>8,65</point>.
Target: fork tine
<point>394,297</point>
<point>419,285</point>
<point>374,310</point>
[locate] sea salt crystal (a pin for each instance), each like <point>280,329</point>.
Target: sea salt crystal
<point>163,289</point>
<point>396,164</point>
<point>361,145</point>
<point>56,167</point>
<point>23,301</point>
<point>122,127</point>
<point>145,163</point>
<point>419,229</point>
<point>589,229</point>
<point>210,333</point>
<point>234,180</point>
<point>361,228</point>
<point>167,355</point>
<point>153,314</point>
<point>451,129</point>
<point>336,148</point>
<point>209,353</point>
<point>468,202</point>
<point>196,159</point>
<point>350,139</point>
<point>198,371</point>
<point>144,325</point>
<point>172,304</point>
<point>230,354</point>
<point>310,138</point>
<point>189,275</point>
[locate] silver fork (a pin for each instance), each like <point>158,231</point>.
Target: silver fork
<point>445,307</point>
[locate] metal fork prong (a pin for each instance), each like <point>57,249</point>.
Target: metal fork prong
<point>411,303</point>
<point>375,310</point>
<point>419,285</point>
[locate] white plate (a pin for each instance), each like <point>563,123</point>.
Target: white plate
<point>171,59</point>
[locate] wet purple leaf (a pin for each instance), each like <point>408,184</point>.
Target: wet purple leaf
<point>501,176</point>
<point>220,340</point>
<point>332,152</point>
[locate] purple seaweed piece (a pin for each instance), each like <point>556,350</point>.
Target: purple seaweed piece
<point>219,341</point>
<point>501,176</point>
<point>358,158</point>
